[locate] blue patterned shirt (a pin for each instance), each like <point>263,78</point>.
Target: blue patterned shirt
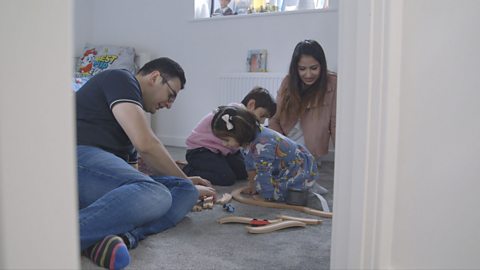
<point>280,164</point>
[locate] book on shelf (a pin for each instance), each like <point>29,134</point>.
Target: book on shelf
<point>257,60</point>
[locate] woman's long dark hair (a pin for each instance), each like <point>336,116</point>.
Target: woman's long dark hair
<point>298,95</point>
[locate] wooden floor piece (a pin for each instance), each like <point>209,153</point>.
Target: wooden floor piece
<point>208,202</point>
<point>197,208</point>
<point>245,220</point>
<point>237,195</point>
<point>226,198</point>
<point>309,221</point>
<point>275,226</point>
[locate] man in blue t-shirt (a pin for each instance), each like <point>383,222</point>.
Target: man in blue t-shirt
<point>119,205</point>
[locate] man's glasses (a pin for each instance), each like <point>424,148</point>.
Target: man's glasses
<point>172,95</point>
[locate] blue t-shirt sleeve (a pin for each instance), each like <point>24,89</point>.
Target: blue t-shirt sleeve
<point>122,87</point>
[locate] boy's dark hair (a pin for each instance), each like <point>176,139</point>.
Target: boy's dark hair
<point>262,99</point>
<point>244,125</point>
<point>167,67</point>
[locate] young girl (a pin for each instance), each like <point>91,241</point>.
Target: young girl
<point>273,161</point>
<point>209,158</point>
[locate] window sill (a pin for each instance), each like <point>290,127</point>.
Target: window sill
<point>266,14</point>
<point>267,74</point>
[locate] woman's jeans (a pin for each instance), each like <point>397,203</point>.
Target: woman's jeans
<point>117,199</point>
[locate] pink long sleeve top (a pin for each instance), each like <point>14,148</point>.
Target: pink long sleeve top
<point>202,136</point>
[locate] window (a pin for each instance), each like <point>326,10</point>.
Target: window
<point>212,8</point>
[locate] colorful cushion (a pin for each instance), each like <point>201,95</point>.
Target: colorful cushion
<point>96,58</point>
<point>79,82</point>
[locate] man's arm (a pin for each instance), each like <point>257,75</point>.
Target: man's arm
<point>133,121</point>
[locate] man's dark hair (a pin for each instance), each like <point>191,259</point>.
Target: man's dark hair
<point>262,99</point>
<point>167,67</point>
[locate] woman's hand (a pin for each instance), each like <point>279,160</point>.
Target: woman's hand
<point>197,180</point>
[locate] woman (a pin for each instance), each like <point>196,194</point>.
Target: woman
<point>307,100</point>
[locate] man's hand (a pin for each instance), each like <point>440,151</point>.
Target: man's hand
<point>205,191</point>
<point>204,187</point>
<point>197,180</point>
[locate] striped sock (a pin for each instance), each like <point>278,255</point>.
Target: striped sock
<point>110,253</point>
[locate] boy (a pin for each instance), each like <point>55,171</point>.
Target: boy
<point>209,158</point>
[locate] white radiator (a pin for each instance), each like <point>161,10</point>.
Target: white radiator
<point>233,87</point>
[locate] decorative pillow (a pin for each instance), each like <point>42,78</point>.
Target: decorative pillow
<point>96,58</point>
<point>79,82</point>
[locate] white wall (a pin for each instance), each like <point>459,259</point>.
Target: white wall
<point>406,182</point>
<point>38,201</point>
<point>205,48</point>
<point>437,218</point>
<point>82,24</point>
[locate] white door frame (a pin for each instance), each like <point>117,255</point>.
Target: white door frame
<point>38,182</point>
<point>370,34</point>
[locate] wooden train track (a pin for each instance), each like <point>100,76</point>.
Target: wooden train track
<point>238,196</point>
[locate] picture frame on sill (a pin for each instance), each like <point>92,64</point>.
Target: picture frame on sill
<point>257,60</point>
<point>218,10</point>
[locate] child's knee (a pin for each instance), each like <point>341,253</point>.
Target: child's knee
<point>225,182</point>
<point>225,178</point>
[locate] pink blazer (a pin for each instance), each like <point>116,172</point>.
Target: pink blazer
<point>318,123</point>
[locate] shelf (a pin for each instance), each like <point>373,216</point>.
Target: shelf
<point>266,14</point>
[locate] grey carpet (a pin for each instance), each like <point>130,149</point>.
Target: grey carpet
<point>200,242</point>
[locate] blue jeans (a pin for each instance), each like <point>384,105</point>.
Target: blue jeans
<point>115,198</point>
